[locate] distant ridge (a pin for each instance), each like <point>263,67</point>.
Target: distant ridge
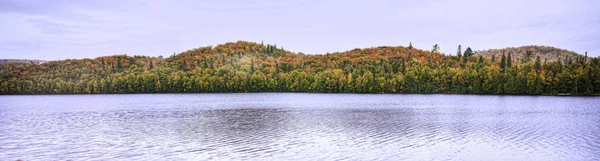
<point>4,61</point>
<point>546,53</point>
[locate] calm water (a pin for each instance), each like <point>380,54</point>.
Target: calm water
<point>277,126</point>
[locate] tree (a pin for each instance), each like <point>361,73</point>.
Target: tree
<point>435,49</point>
<point>480,62</point>
<point>371,70</point>
<point>119,65</point>
<point>410,46</point>
<point>528,55</point>
<point>509,61</point>
<point>251,66</point>
<point>468,52</point>
<point>503,62</point>
<point>538,64</point>
<point>459,51</point>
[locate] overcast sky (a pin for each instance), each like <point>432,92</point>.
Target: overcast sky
<point>62,29</point>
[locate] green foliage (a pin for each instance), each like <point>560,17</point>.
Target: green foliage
<point>252,67</point>
<point>468,52</point>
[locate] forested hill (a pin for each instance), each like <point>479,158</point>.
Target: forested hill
<point>529,53</point>
<point>253,67</point>
<point>4,61</point>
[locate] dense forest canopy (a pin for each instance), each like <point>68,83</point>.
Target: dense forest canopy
<point>529,53</point>
<point>256,67</point>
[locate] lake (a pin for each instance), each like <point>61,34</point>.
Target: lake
<point>299,126</point>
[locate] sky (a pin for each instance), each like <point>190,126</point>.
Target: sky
<point>74,29</point>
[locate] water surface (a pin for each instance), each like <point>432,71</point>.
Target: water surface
<point>284,126</point>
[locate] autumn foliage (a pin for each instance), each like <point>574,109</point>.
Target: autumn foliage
<point>252,67</point>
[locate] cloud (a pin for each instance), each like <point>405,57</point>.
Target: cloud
<point>60,29</point>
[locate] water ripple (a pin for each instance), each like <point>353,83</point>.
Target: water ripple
<point>320,127</point>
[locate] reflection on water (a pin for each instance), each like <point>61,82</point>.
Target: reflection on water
<point>299,126</point>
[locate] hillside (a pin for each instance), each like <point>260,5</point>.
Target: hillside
<point>525,53</point>
<point>255,67</point>
<point>4,61</point>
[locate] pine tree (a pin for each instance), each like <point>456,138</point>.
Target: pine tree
<point>119,65</point>
<point>503,62</point>
<point>151,65</point>
<point>435,49</point>
<point>410,45</point>
<point>509,61</point>
<point>538,64</point>
<point>480,60</point>
<point>493,58</point>
<point>402,66</point>
<point>252,66</point>
<point>459,52</point>
<point>528,55</point>
<point>467,54</point>
<point>559,64</point>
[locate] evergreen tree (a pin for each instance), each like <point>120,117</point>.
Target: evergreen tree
<point>435,49</point>
<point>369,70</point>
<point>410,45</point>
<point>468,52</point>
<point>402,66</point>
<point>509,61</point>
<point>459,52</point>
<point>119,65</point>
<point>252,66</point>
<point>493,58</point>
<point>559,64</point>
<point>538,64</point>
<point>528,55</point>
<point>503,62</point>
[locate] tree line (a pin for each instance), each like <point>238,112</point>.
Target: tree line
<point>255,67</point>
